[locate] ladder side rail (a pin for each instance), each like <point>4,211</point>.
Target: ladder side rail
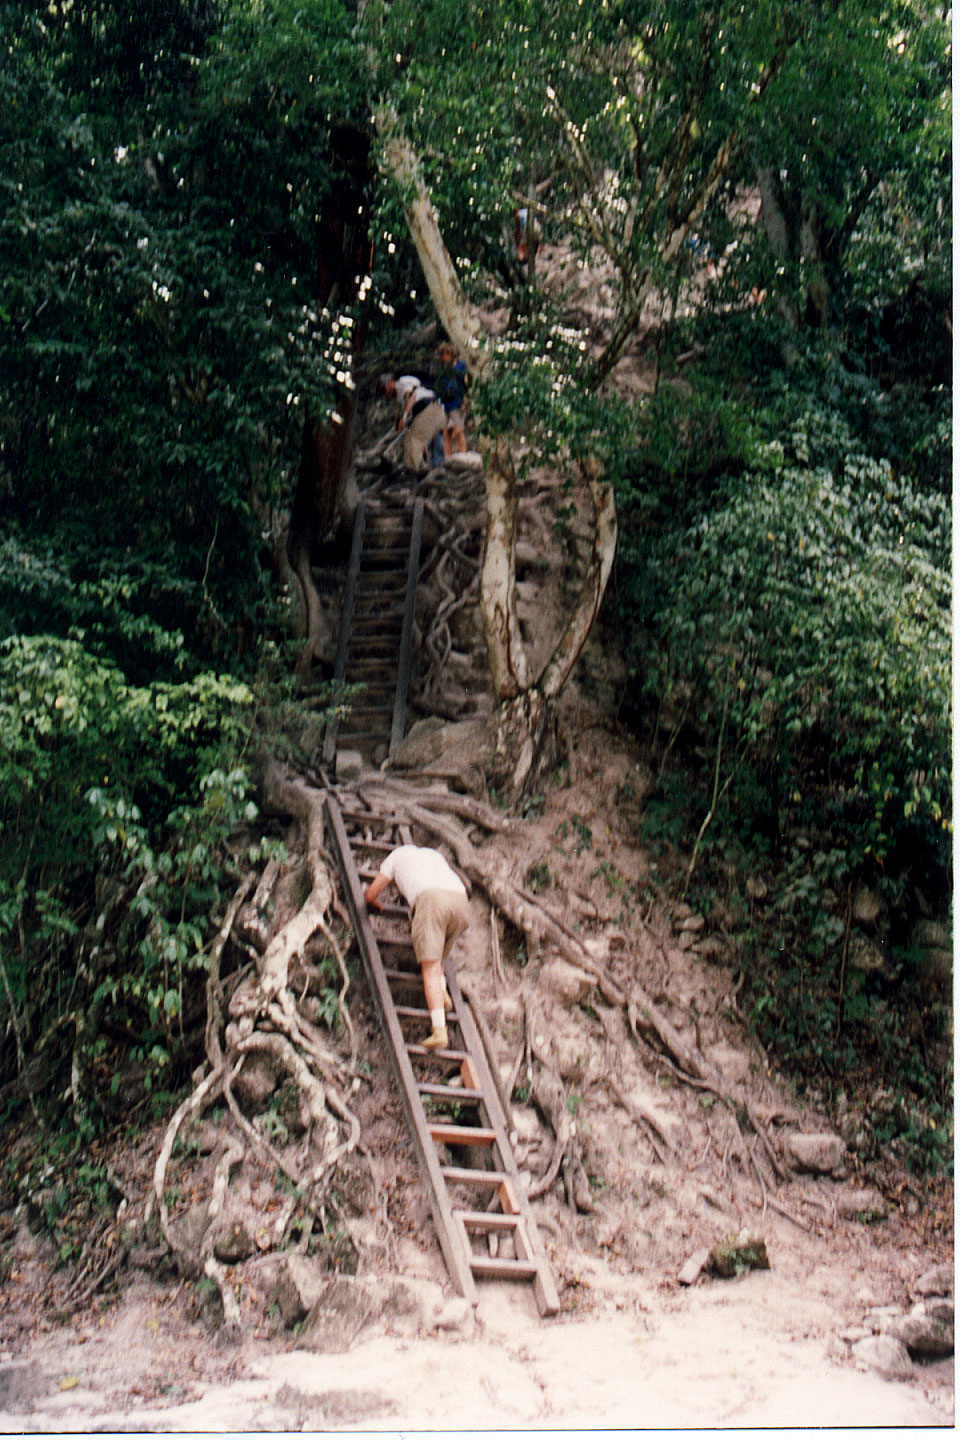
<point>406,637</point>
<point>346,622</point>
<point>548,1300</point>
<point>447,1231</point>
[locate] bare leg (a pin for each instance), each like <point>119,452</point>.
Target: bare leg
<point>434,990</point>
<point>433,986</point>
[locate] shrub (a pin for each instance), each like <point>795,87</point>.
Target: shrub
<point>810,612</point>
<point>119,809</point>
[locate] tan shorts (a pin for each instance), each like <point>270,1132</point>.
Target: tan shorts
<point>419,433</point>
<point>439,916</point>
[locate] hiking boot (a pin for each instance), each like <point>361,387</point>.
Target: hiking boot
<point>437,1039</point>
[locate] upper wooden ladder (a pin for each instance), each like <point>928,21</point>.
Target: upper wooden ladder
<point>449,1096</point>
<point>377,613</point>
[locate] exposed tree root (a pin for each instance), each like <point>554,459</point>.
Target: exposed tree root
<point>265,1017</point>
<point>437,812</point>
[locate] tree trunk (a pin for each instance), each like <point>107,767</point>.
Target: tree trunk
<point>343,258</point>
<point>557,670</point>
<point>508,659</point>
<point>521,728</point>
<point>523,717</point>
<point>457,316</point>
<point>791,222</point>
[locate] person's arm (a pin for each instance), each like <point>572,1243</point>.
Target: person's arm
<point>374,890</point>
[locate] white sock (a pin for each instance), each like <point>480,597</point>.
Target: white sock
<point>437,1018</point>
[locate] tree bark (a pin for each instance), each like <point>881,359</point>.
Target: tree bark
<point>507,657</point>
<point>557,670</point>
<point>522,719</point>
<point>458,317</point>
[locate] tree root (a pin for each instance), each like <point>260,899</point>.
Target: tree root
<point>264,1018</point>
<point>640,1115</point>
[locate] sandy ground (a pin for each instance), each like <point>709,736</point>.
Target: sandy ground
<point>760,1351</point>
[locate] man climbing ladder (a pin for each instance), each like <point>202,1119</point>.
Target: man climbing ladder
<point>440,913</point>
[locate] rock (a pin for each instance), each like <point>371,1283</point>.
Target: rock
<point>936,968</point>
<point>938,1281</point>
<point>745,1251</point>
<point>756,888</point>
<point>257,1080</point>
<point>693,923</point>
<point>346,1306</point>
<point>733,1064</point>
<point>925,1336</point>
<point>866,956</point>
<point>464,460</point>
<point>349,765</point>
<point>526,1122</point>
<point>710,949</point>
<point>815,1154</point>
<point>867,907</point>
<point>861,1205</point>
<point>884,1354</point>
<point>571,1057</point>
<point>299,1284</point>
<point>203,1136</point>
<point>340,1312</point>
<point>857,1133</point>
<point>457,1314</point>
<point>403,1297</point>
<point>693,1267</point>
<point>461,745</point>
<point>234,1243</point>
<point>193,1226</point>
<point>567,982</point>
<point>931,935</point>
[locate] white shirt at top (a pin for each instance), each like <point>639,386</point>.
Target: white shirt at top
<point>415,868</point>
<point>405,384</point>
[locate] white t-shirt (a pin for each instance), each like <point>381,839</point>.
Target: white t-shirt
<point>415,868</point>
<point>405,384</point>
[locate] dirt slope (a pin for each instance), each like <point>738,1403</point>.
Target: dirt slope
<point>632,1346</point>
<point>672,1168</point>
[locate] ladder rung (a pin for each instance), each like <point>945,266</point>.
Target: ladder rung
<point>462,1175</point>
<point>422,1051</point>
<point>450,1092</point>
<point>503,1269</point>
<point>445,1134</point>
<point>488,1220</point>
<point>412,1012</point>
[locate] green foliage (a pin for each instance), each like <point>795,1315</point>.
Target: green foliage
<point>115,802</point>
<point>539,877</point>
<point>811,609</point>
<point>163,179</point>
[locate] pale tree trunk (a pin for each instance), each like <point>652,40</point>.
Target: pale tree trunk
<point>557,670</point>
<point>524,709</point>
<point>508,658</point>
<point>457,316</point>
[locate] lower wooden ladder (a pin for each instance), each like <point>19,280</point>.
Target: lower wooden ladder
<point>449,1096</point>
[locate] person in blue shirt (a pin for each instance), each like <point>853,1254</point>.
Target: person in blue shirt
<point>451,387</point>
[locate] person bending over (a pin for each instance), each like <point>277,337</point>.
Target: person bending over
<point>440,913</point>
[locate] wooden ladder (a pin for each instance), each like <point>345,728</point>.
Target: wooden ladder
<point>375,643</point>
<point>449,1096</point>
